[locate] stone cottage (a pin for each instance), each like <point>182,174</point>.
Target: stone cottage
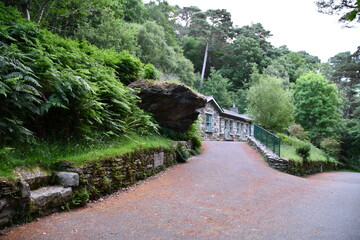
<point>222,124</point>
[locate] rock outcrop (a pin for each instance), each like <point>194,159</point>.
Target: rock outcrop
<point>173,105</point>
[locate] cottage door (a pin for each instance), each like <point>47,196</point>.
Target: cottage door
<point>226,130</point>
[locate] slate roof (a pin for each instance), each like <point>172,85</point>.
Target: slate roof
<point>237,115</point>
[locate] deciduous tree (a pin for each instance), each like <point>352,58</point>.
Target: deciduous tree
<point>318,107</point>
<point>218,87</point>
<point>270,104</point>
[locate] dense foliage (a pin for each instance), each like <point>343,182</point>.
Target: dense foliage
<point>54,87</point>
<point>217,86</point>
<point>317,106</point>
<point>271,104</point>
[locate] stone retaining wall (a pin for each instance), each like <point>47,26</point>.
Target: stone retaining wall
<point>273,159</point>
<point>37,192</point>
<point>307,168</point>
<point>290,166</point>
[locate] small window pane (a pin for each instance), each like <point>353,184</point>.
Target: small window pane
<point>208,123</point>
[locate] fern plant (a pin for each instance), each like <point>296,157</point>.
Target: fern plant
<point>55,87</point>
<point>19,96</point>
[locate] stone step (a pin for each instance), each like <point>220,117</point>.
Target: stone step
<point>46,198</point>
<point>36,177</point>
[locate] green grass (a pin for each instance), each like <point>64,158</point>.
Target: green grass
<point>118,148</point>
<point>45,154</point>
<point>289,145</point>
<point>289,152</point>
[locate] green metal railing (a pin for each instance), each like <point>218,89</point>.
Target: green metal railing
<point>267,138</point>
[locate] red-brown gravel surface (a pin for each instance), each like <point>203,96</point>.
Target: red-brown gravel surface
<point>227,192</point>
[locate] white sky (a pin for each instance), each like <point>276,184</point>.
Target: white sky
<point>295,23</point>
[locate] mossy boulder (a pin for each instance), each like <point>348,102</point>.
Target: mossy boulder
<point>173,105</point>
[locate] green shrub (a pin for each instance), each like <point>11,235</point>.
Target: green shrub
<point>296,130</point>
<point>331,147</point>
<point>173,135</point>
<point>128,68</point>
<point>196,145</point>
<point>303,151</point>
<point>195,138</point>
<point>182,153</point>
<point>150,72</point>
<point>192,134</point>
<point>292,141</point>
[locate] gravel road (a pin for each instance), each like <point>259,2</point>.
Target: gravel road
<point>227,192</point>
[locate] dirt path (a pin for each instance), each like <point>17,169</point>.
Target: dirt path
<point>228,192</point>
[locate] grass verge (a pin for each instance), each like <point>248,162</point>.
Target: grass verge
<point>289,152</point>
<point>45,154</point>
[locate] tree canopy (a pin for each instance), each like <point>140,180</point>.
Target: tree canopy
<point>349,10</point>
<point>346,75</point>
<point>271,104</point>
<point>317,106</point>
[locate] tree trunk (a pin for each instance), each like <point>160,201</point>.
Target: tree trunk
<point>24,5</point>
<point>204,65</point>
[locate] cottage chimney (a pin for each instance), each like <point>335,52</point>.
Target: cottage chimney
<point>234,108</point>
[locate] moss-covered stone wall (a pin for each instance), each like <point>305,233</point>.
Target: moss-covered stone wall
<point>69,186</point>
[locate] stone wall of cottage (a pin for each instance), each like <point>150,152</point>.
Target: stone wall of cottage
<point>215,134</point>
<point>218,126</point>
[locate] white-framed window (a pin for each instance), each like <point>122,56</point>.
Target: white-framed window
<point>231,127</point>
<point>208,122</point>
<point>238,128</point>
